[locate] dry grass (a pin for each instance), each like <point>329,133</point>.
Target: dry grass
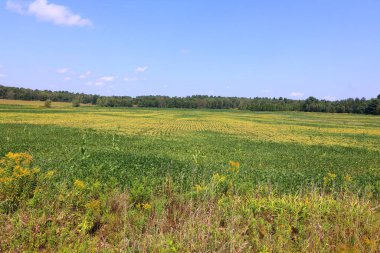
<point>37,104</point>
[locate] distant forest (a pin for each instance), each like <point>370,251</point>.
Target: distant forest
<point>311,104</point>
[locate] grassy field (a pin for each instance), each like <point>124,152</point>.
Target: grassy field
<point>169,180</point>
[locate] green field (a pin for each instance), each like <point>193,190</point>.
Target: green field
<point>285,157</point>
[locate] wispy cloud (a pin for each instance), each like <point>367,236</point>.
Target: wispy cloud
<point>85,75</point>
<point>101,81</point>
<point>296,94</point>
<point>15,7</point>
<point>62,70</point>
<point>107,78</point>
<point>131,78</point>
<point>141,69</point>
<point>48,12</point>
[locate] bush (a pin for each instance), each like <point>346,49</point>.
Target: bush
<point>76,103</point>
<point>48,103</point>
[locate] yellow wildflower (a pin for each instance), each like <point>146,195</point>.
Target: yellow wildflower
<point>20,158</point>
<point>347,179</point>
<point>79,183</point>
<point>6,179</point>
<point>216,178</point>
<point>366,240</point>
<point>330,177</point>
<point>50,174</point>
<point>235,164</point>
<point>199,188</point>
<point>36,170</point>
<point>19,171</point>
<point>144,206</point>
<point>11,156</point>
<point>37,190</point>
<point>93,205</point>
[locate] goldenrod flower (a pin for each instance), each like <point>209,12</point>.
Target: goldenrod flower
<point>235,164</point>
<point>199,188</point>
<point>20,158</point>
<point>37,190</point>
<point>144,206</point>
<point>93,205</point>
<point>18,171</point>
<point>216,178</point>
<point>79,183</point>
<point>6,179</point>
<point>347,179</point>
<point>330,177</point>
<point>50,174</point>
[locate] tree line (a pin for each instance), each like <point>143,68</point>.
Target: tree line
<point>311,104</point>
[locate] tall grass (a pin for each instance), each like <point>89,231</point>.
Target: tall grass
<point>217,214</point>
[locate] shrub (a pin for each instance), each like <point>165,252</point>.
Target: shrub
<point>76,103</point>
<point>48,103</point>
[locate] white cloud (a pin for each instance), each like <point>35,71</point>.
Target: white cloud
<point>141,69</point>
<point>85,75</point>
<point>2,75</point>
<point>330,98</point>
<point>131,79</point>
<point>296,94</point>
<point>62,70</point>
<point>67,78</point>
<point>99,83</point>
<point>107,78</point>
<point>49,12</point>
<point>15,7</point>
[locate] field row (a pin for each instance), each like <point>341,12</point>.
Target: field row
<point>301,128</point>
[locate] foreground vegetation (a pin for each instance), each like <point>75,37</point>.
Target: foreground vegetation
<point>97,179</point>
<point>219,215</point>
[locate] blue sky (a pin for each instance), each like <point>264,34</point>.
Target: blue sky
<point>325,48</point>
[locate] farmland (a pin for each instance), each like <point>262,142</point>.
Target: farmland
<point>135,166</point>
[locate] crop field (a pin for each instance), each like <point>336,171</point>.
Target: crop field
<point>177,180</point>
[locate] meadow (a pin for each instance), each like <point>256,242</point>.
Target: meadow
<point>179,180</point>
